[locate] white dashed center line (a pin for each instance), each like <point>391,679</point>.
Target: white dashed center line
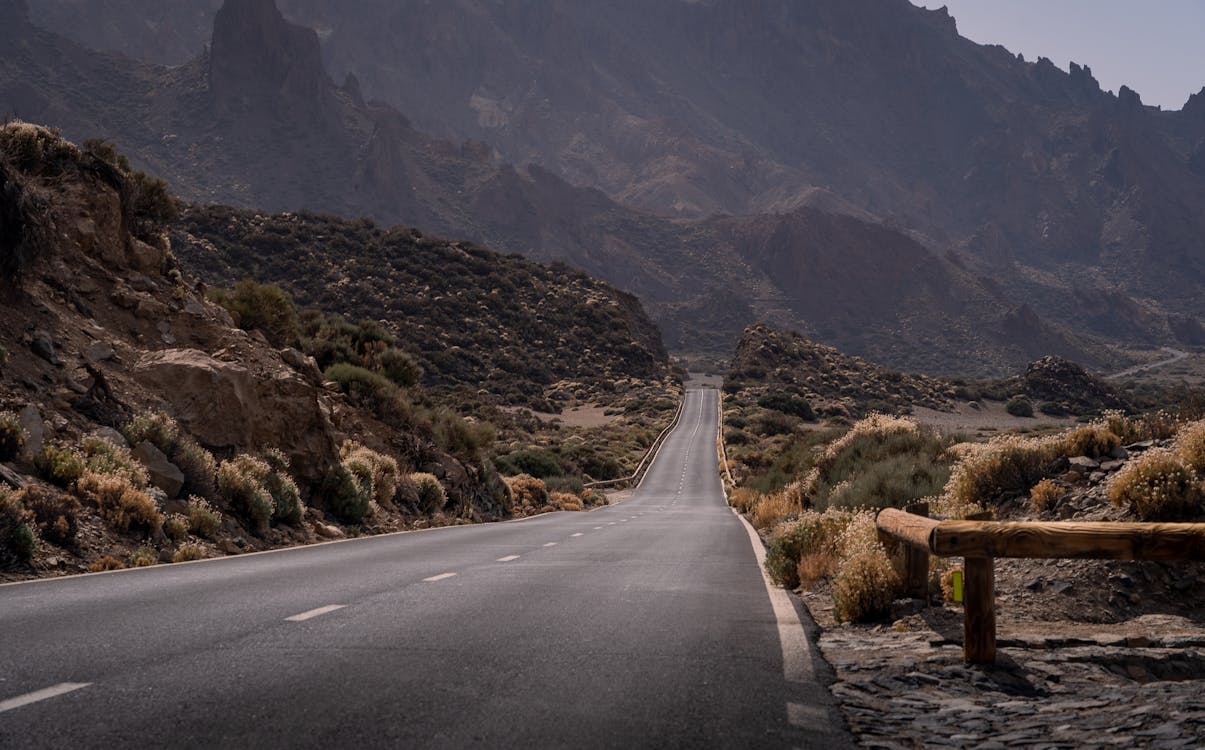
<point>508,558</point>
<point>577,534</point>
<point>439,577</point>
<point>315,613</point>
<point>550,544</point>
<point>596,528</point>
<point>40,695</point>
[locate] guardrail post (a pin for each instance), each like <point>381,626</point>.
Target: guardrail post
<point>979,624</point>
<point>916,561</point>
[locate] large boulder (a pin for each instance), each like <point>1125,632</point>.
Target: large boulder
<point>227,407</point>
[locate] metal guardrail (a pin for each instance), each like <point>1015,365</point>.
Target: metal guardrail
<point>980,541</point>
<point>645,462</point>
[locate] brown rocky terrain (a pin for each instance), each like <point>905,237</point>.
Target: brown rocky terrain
<point>256,121</point>
<point>1079,202</point>
<point>101,326</point>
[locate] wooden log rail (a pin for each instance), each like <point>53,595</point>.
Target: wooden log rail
<point>979,542</point>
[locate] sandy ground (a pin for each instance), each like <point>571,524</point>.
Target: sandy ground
<point>989,419</point>
<point>578,416</point>
<point>703,380</point>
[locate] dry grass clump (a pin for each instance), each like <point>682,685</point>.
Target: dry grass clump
<point>1157,486</point>
<point>102,456</point>
<point>188,552</point>
<point>529,493</point>
<point>56,514</point>
<point>122,505</point>
<point>203,519</point>
<point>144,557</point>
<point>773,509</point>
<point>1093,440</point>
<point>1159,425</point>
<point>1003,466</point>
<point>866,582</point>
<point>175,527</point>
<point>565,501</point>
<point>1190,445</point>
<point>812,534</point>
<point>1043,494</point>
<point>108,562</point>
<point>381,470</point>
<point>17,537</point>
<point>12,435</point>
<point>744,499</point>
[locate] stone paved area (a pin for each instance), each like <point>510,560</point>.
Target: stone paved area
<point>912,690</point>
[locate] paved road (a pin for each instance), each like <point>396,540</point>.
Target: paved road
<point>1174,356</point>
<point>645,624</point>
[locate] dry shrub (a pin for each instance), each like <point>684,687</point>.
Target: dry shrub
<point>122,505</point>
<point>102,456</point>
<point>12,435</point>
<point>17,538</point>
<point>175,527</point>
<point>528,492</point>
<point>382,470</point>
<point>203,519</point>
<point>196,464</point>
<point>1004,466</point>
<point>1190,445</point>
<point>866,582</point>
<point>565,501</point>
<point>743,499</point>
<point>1157,486</point>
<point>242,486</point>
<point>1159,425</point>
<point>1043,494</point>
<point>108,562</point>
<point>56,514</point>
<point>812,533</point>
<point>144,557</point>
<point>1093,440</point>
<point>815,567</point>
<point>59,464</point>
<point>773,509</point>
<point>188,552</point>
<point>431,495</point>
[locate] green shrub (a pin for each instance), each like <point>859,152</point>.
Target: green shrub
<point>461,438</point>
<point>399,367</point>
<point>263,307</point>
<point>12,435</point>
<point>1019,406</point>
<point>60,464</point>
<point>286,498</point>
<point>242,485</point>
<point>175,527</point>
<point>788,403</point>
<point>56,514</point>
<point>144,557</point>
<point>203,519</point>
<point>196,464</point>
<point>122,505</point>
<point>376,468</point>
<point>431,495</point>
<point>1157,486</point>
<point>374,392</point>
<point>17,538</point>
<point>536,462</point>
<point>154,427</point>
<point>346,495</point>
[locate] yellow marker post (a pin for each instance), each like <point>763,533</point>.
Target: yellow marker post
<point>956,579</point>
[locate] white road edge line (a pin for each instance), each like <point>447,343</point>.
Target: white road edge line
<point>315,613</point>
<point>796,655</point>
<point>40,695</point>
<point>508,558</point>
<point>440,577</point>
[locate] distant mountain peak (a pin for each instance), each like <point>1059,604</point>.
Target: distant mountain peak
<point>259,59</point>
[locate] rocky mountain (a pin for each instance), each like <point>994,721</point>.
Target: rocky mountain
<point>866,133</point>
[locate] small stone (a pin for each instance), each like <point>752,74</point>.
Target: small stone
<point>113,436</point>
<point>35,432</point>
<point>163,473</point>
<point>101,351</point>
<point>1112,465</point>
<point>1035,585</point>
<point>42,344</point>
<point>1061,587</point>
<point>1082,463</point>
<point>1119,453</point>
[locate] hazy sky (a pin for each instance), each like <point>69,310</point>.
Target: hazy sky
<point>1156,47</point>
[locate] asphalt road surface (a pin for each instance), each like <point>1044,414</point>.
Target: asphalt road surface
<point>642,624</point>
